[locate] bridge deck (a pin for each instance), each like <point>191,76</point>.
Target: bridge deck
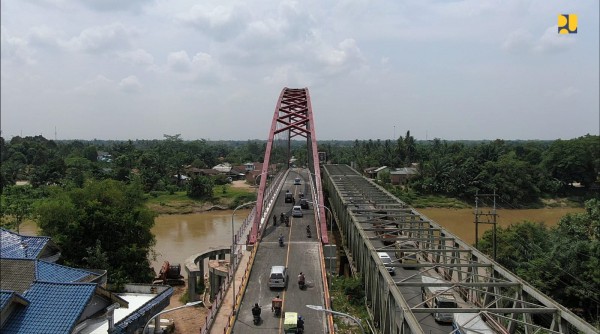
<point>299,254</point>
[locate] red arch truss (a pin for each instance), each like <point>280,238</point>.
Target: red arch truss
<point>293,114</point>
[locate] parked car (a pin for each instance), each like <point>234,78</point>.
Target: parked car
<point>297,211</point>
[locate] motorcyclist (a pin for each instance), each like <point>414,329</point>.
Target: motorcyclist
<point>282,217</point>
<point>276,303</point>
<point>300,324</point>
<point>256,310</point>
<point>281,239</point>
<point>301,279</point>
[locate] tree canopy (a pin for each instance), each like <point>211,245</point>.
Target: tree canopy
<point>103,223</point>
<point>563,262</point>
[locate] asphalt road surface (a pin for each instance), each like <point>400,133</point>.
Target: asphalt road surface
<point>299,254</point>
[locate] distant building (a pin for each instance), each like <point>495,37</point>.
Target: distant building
<point>103,156</point>
<point>223,168</point>
<point>400,176</point>
<point>375,172</point>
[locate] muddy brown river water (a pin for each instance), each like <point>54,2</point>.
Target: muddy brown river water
<point>181,236</point>
<point>460,222</point>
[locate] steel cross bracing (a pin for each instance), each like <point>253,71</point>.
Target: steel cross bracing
<point>371,220</point>
<point>293,117</point>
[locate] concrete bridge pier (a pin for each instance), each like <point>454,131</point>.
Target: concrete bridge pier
<point>218,268</point>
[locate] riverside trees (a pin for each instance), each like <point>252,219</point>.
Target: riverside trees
<point>563,262</point>
<point>104,223</point>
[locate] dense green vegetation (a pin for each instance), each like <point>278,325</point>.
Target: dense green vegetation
<point>104,225</point>
<point>71,185</point>
<point>348,296</point>
<point>520,172</point>
<point>563,262</point>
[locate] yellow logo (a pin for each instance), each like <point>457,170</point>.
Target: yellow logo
<point>567,24</point>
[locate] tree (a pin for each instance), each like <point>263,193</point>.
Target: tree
<point>106,220</point>
<point>518,245</point>
<point>514,180</point>
<point>200,187</point>
<point>563,262</point>
<point>575,160</point>
<point>16,205</point>
<point>576,259</point>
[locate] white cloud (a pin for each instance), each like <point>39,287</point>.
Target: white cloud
<point>137,57</point>
<point>219,22</point>
<point>116,5</point>
<point>44,37</point>
<point>179,61</point>
<point>130,84</point>
<point>201,68</point>
<point>566,93</point>
<point>15,49</point>
<point>100,85</point>
<point>552,42</point>
<point>102,39</point>
<point>518,41</point>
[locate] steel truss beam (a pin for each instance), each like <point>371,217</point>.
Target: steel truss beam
<point>487,287</point>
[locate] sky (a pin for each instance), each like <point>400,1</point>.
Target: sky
<point>454,70</point>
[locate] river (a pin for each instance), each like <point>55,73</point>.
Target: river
<point>181,236</point>
<point>460,222</point>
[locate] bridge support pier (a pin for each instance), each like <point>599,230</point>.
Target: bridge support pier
<point>194,267</point>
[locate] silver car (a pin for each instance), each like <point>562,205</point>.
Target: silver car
<point>297,211</point>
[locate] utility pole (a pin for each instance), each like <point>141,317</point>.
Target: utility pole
<point>492,218</point>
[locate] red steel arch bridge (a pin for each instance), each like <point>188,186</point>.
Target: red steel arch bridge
<point>372,223</point>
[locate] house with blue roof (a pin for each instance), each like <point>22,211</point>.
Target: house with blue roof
<point>17,246</point>
<point>40,296</point>
<point>58,307</point>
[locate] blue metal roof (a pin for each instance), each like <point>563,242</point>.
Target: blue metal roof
<point>53,308</point>
<point>16,246</point>
<point>51,272</point>
<point>5,297</point>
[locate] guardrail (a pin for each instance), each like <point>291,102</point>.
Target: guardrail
<point>236,255</point>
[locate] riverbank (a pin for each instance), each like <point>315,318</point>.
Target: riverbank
<point>224,197</point>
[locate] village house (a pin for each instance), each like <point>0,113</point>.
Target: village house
<point>40,296</point>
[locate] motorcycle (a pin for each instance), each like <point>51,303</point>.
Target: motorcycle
<point>308,234</point>
<point>301,281</point>
<point>280,241</point>
<point>256,314</point>
<point>276,305</point>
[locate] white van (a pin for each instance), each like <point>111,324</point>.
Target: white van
<point>278,277</point>
<point>387,260</point>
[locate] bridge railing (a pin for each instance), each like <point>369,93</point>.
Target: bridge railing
<point>236,255</point>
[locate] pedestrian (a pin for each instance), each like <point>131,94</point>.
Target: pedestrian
<point>274,220</point>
